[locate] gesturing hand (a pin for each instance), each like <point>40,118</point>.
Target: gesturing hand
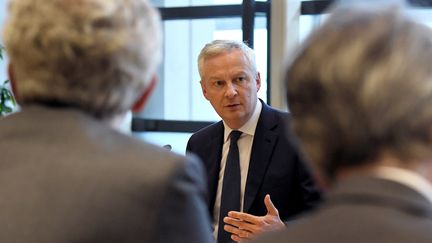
<point>244,226</point>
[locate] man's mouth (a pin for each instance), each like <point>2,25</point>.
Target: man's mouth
<point>232,105</point>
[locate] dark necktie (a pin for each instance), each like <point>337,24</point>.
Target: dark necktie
<point>230,198</point>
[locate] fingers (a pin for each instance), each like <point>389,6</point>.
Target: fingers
<point>271,209</point>
<point>236,238</point>
<point>241,224</point>
<point>244,217</point>
<point>241,233</point>
<point>240,239</point>
<point>242,229</point>
<point>238,235</point>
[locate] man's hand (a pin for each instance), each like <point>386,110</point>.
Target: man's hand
<point>243,226</point>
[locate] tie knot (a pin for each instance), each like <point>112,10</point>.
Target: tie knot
<point>234,136</point>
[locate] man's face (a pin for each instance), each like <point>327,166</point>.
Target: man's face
<point>231,86</point>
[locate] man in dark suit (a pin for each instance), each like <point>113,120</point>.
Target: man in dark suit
<point>68,175</point>
<point>269,163</point>
<point>360,91</point>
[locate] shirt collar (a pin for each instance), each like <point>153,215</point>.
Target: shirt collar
<point>250,126</point>
<point>407,178</point>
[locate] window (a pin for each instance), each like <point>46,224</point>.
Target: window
<point>3,63</point>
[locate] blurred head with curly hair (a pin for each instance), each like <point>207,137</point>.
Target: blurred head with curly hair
<point>97,55</point>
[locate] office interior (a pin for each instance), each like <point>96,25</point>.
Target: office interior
<point>273,28</point>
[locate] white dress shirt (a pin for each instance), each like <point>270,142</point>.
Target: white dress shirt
<point>245,147</point>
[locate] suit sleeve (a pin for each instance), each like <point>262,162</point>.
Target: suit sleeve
<point>188,147</point>
<point>184,216</point>
<point>191,147</point>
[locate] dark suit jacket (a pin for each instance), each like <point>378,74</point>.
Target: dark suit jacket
<point>275,167</point>
<point>66,177</point>
<point>364,209</point>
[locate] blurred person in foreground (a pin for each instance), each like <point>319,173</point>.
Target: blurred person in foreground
<point>360,91</point>
<point>68,175</point>
<point>273,184</point>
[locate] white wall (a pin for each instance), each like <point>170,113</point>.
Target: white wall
<point>285,15</point>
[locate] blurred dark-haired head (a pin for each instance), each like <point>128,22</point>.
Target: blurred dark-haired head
<point>361,86</point>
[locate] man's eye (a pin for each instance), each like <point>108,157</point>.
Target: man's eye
<point>241,79</point>
<point>218,83</point>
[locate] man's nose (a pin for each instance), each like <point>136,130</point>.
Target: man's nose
<point>231,90</point>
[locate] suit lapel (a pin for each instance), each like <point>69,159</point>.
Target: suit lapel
<point>214,149</point>
<point>262,149</point>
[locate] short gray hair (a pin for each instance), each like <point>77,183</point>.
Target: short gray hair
<point>218,47</point>
<point>362,85</point>
<point>98,55</point>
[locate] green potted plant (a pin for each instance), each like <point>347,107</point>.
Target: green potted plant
<point>7,101</point>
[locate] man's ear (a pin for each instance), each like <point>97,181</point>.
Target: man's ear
<point>12,81</point>
<point>141,101</point>
<point>203,88</point>
<point>258,81</point>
